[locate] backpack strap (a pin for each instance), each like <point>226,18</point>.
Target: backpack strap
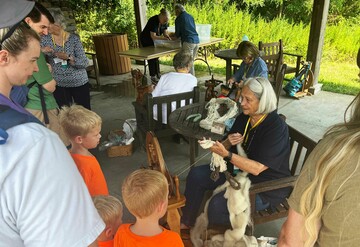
<point>10,118</point>
<point>43,104</point>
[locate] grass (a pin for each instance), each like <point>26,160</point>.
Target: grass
<point>336,77</point>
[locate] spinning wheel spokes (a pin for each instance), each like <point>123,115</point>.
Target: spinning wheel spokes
<point>156,160</point>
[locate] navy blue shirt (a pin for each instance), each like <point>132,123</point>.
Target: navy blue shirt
<point>268,144</point>
<point>153,25</point>
<point>185,28</point>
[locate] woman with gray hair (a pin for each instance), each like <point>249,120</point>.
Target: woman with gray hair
<point>180,81</point>
<point>68,61</point>
<point>265,139</point>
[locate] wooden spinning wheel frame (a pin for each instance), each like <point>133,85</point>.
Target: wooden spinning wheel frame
<point>156,162</point>
<point>176,200</point>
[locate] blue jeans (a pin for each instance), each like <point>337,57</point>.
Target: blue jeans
<point>197,183</point>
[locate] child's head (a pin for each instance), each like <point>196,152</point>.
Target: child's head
<point>110,210</point>
<point>79,123</point>
<point>145,192</point>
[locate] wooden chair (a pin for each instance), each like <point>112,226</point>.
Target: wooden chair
<point>275,47</point>
<point>301,146</point>
<point>295,68</point>
<point>176,200</point>
<point>94,67</point>
<point>144,111</point>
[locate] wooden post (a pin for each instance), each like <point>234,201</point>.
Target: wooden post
<point>316,39</point>
<point>140,16</point>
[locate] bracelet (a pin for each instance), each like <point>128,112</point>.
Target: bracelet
<point>228,157</point>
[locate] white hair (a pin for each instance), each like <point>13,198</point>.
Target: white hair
<point>59,18</point>
<point>264,91</point>
<point>179,8</point>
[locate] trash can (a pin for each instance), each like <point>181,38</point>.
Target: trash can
<point>107,46</point>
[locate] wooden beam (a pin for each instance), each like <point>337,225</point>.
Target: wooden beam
<point>316,38</point>
<point>140,17</point>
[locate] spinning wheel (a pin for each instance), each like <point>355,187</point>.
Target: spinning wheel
<point>156,162</point>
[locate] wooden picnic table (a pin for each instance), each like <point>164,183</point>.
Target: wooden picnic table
<point>228,55</point>
<point>151,52</point>
<point>190,129</point>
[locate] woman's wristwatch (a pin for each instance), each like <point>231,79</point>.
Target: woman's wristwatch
<point>228,157</point>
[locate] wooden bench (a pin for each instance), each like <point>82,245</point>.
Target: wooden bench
<point>300,146</point>
<point>145,116</point>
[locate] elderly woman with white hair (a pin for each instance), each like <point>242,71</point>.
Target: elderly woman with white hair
<point>265,139</point>
<point>68,61</point>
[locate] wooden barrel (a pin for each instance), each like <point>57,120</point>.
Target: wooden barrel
<point>107,46</point>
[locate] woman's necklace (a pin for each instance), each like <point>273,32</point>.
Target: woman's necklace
<point>246,132</point>
<point>63,41</point>
<point>247,68</point>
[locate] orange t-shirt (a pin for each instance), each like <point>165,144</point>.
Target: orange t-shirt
<point>125,238</point>
<point>109,243</point>
<point>92,174</point>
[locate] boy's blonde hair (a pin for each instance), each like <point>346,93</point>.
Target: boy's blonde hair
<point>143,191</point>
<point>109,208</point>
<point>76,120</point>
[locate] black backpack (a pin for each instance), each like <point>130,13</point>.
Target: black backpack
<point>10,118</point>
<point>19,94</point>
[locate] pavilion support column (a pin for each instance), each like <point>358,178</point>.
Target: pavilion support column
<point>316,39</point>
<point>140,16</point>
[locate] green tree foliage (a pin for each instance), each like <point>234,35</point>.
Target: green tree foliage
<point>111,16</point>
<point>231,19</point>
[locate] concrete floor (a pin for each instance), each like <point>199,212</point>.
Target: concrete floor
<point>311,115</point>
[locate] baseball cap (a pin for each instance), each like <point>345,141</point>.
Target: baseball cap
<point>13,11</point>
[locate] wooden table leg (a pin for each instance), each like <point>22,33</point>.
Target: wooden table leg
<point>228,69</point>
<point>173,220</point>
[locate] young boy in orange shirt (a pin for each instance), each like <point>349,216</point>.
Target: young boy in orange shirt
<point>145,194</point>
<point>82,127</point>
<point>111,210</point>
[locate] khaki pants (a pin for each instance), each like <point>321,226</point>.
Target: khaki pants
<point>54,123</point>
<point>193,50</point>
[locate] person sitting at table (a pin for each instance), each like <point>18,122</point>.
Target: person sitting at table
<point>252,65</point>
<point>155,29</point>
<point>180,81</point>
<point>324,205</point>
<point>265,138</point>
